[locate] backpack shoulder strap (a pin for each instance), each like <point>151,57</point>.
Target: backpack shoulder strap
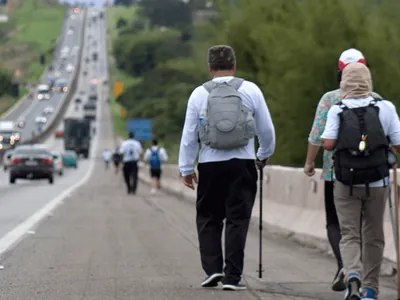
<point>342,105</point>
<point>209,86</point>
<point>236,83</point>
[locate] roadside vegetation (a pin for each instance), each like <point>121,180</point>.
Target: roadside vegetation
<point>289,48</point>
<point>32,30</point>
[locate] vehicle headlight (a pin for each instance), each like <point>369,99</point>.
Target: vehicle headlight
<point>65,89</point>
<point>1,146</point>
<point>47,96</point>
<point>40,96</point>
<point>1,138</point>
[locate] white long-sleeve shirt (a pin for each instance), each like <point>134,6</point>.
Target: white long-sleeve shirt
<point>253,99</point>
<point>387,115</point>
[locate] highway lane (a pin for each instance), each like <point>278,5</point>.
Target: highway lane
<point>20,201</point>
<point>28,112</point>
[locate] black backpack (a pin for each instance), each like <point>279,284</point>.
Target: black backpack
<point>361,153</point>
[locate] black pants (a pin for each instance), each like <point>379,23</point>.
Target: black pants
<point>226,190</point>
<point>131,175</point>
<point>332,223</point>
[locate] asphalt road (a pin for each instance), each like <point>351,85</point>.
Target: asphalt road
<point>19,201</point>
<point>32,108</point>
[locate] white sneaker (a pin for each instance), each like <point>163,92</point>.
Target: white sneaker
<point>153,191</point>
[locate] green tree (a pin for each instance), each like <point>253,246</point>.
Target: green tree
<point>168,13</point>
<point>292,54</point>
<point>139,53</point>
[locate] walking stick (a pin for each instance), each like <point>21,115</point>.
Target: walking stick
<point>261,224</point>
<point>391,211</point>
<point>396,209</point>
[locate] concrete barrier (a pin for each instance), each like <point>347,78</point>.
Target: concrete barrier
<point>293,205</point>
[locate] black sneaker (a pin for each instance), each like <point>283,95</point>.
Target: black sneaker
<point>338,284</point>
<point>212,280</point>
<point>240,286</point>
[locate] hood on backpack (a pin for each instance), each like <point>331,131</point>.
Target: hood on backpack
<point>356,82</point>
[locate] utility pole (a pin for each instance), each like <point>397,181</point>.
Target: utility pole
<point>9,8</point>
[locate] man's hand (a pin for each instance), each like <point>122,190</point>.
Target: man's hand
<point>261,163</point>
<point>309,169</point>
<point>190,180</point>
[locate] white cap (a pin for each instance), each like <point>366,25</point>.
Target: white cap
<point>350,56</point>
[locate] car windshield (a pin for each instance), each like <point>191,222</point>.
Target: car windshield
<point>61,83</point>
<point>69,154</point>
<point>31,151</point>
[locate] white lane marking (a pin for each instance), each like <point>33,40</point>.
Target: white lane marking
<point>19,232</point>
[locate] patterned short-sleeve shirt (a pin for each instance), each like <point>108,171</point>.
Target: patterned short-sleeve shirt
<point>327,101</point>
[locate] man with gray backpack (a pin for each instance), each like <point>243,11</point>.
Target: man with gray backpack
<point>224,115</point>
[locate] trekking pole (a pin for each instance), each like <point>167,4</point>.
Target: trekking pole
<point>396,209</point>
<point>261,225</point>
<point>391,211</point>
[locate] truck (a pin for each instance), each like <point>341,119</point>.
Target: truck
<point>77,135</point>
<point>9,136</point>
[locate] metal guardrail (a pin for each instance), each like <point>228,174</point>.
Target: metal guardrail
<point>55,120</point>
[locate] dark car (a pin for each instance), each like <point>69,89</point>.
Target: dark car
<point>89,106</point>
<point>31,162</point>
<point>78,100</point>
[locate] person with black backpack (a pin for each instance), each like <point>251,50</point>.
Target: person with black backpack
<point>155,156</point>
<point>116,158</point>
<point>314,144</point>
<point>361,129</point>
<point>223,116</point>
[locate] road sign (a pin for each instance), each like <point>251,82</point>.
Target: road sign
<point>141,128</point>
<point>3,18</point>
<point>118,88</point>
<point>122,112</point>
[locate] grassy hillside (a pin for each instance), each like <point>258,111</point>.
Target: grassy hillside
<point>32,30</point>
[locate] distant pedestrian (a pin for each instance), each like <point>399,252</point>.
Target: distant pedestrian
<point>106,157</point>
<point>358,129</point>
<point>131,150</point>
<point>155,156</point>
<point>116,157</point>
<point>224,114</point>
<point>328,100</point>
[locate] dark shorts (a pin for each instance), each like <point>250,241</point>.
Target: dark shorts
<point>155,173</point>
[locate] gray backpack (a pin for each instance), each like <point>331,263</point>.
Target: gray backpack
<point>228,124</point>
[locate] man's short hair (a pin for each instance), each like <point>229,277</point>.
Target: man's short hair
<point>221,57</point>
<point>155,142</point>
<point>131,135</point>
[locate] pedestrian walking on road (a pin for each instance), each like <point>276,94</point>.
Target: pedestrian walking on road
<point>359,129</point>
<point>116,157</point>
<point>106,158</point>
<point>155,156</point>
<point>224,115</point>
<point>131,150</point>
<point>314,143</point>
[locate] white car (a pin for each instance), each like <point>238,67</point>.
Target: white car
<point>57,163</point>
<point>70,68</point>
<point>40,120</point>
<point>48,110</point>
<point>7,159</point>
<point>43,92</point>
